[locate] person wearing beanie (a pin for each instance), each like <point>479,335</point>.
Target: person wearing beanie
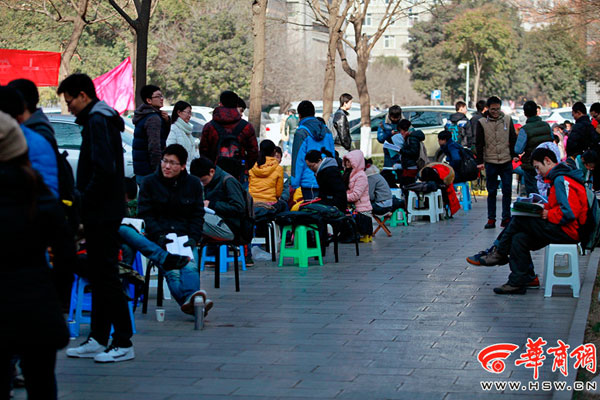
<point>32,220</point>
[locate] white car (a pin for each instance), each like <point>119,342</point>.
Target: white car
<point>68,137</point>
<point>559,115</point>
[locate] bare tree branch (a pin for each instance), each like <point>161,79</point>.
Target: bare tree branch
<point>345,65</point>
<point>123,14</point>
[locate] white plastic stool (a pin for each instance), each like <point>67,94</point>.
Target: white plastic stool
<point>433,211</point>
<point>568,275</point>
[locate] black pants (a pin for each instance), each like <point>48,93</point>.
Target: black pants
<point>109,304</point>
<point>37,365</point>
<point>392,177</point>
<point>522,235</point>
<point>530,181</point>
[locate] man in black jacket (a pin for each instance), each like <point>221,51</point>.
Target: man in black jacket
<point>332,188</point>
<point>171,201</point>
<point>340,126</point>
<point>100,181</point>
<point>583,136</point>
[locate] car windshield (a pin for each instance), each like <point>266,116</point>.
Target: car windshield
<point>68,136</point>
<point>566,114</point>
<point>423,119</point>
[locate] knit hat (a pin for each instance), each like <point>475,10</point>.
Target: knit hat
<point>12,140</point>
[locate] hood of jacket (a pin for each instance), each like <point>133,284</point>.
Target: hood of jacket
<point>457,116</point>
<point>418,134</point>
<point>317,129</point>
<point>226,116</point>
<point>265,170</point>
<point>326,163</point>
<point>357,160</point>
<point>110,113</point>
<point>37,119</point>
<point>562,169</point>
<point>217,177</point>
<point>500,116</point>
<point>142,111</point>
<point>372,170</point>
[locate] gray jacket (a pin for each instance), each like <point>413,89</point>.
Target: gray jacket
<point>379,190</point>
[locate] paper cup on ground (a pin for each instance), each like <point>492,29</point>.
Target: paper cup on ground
<point>160,314</point>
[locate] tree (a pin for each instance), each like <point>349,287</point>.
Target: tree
<point>483,38</point>
<point>259,20</point>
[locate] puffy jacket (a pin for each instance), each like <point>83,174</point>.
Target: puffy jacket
<point>583,136</point>
<point>227,198</point>
<point>379,190</point>
<point>266,181</point>
<point>181,133</point>
<point>340,124</point>
<point>496,139</point>
<point>531,135</point>
<point>446,174</point>
<point>100,173</point>
<point>567,201</point>
<point>43,158</point>
<point>149,139</point>
<point>310,124</point>
<point>411,149</point>
<point>171,205</point>
<point>229,118</point>
<point>317,137</point>
<point>358,186</point>
<point>332,190</point>
<point>384,134</point>
<point>39,123</point>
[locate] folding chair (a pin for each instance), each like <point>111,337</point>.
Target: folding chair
<point>381,223</point>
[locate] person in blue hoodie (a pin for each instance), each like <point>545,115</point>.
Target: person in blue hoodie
<point>453,152</point>
<point>388,132</point>
<point>311,134</point>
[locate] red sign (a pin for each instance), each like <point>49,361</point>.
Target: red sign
<point>40,67</point>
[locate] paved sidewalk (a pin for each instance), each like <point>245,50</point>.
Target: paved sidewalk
<point>405,320</point>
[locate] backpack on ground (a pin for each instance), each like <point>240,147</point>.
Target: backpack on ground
<point>468,165</point>
<point>246,233</point>
<point>423,159</point>
<point>229,149</point>
<point>589,233</point>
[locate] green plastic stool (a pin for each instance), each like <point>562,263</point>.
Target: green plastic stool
<point>395,220</point>
<point>300,251</point>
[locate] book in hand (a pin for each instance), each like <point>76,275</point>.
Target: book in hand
<point>527,209</point>
<point>177,247</point>
<point>136,223</point>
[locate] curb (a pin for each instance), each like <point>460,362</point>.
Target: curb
<point>579,321</point>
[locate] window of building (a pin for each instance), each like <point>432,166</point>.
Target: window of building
<point>368,20</point>
<point>412,18</point>
<point>389,42</point>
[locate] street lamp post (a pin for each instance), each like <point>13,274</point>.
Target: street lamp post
<point>466,66</point>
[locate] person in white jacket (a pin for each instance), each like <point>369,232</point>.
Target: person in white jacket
<point>181,131</point>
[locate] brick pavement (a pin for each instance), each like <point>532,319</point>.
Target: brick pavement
<point>405,320</point>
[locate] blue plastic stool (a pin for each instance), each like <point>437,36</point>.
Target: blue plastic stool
<point>465,195</point>
<point>224,258</point>
<point>80,302</point>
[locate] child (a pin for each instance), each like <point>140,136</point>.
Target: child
<point>357,192</point>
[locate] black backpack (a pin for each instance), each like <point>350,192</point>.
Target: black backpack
<point>468,165</point>
<point>246,233</point>
<point>589,233</point>
<point>229,149</point>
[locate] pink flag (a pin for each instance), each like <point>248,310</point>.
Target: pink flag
<point>116,87</point>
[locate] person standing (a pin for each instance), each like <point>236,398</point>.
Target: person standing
<point>481,106</point>
<point>583,136</point>
<point>340,128</point>
<point>100,180</point>
<point>152,127</point>
<point>289,129</point>
<point>495,140</point>
<point>531,135</point>
<point>181,131</point>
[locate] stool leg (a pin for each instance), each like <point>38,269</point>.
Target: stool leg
<point>160,293</point>
<point>335,246</point>
<point>272,243</point>
<point>286,229</point>
<point>218,269</point>
<point>236,271</point>
<point>301,234</point>
<point>146,289</point>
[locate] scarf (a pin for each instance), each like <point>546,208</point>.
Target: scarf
<point>186,127</point>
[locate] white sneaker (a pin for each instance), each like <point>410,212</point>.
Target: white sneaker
<point>115,354</point>
<point>88,349</point>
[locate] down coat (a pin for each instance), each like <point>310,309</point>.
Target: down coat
<point>358,187</point>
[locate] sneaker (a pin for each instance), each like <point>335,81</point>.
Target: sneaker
<point>249,261</point>
<point>491,224</point>
<point>505,222</point>
<point>534,284</point>
<point>115,354</point>
<point>188,306</point>
<point>366,239</point>
<point>476,259</point>
<point>492,258</point>
<point>175,261</point>
<point>508,289</point>
<point>88,349</point>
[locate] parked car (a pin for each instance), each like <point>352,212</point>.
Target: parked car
<point>559,115</point>
<point>68,137</point>
<point>430,119</point>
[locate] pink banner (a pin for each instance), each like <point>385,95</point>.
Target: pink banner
<point>116,87</point>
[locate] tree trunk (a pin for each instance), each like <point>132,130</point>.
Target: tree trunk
<point>143,24</point>
<point>259,19</point>
<point>329,80</point>
<point>364,98</point>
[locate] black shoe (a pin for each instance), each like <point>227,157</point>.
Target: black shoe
<point>491,224</point>
<point>508,289</point>
<point>175,261</point>
<point>249,261</point>
<point>505,222</point>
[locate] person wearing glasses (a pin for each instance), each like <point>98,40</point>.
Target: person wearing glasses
<point>152,128</point>
<point>181,130</point>
<point>171,201</point>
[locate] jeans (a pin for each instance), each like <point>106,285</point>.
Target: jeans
<point>139,242</point>
<point>492,172</point>
<point>310,193</point>
<point>37,364</point>
<point>109,304</point>
<point>522,235</point>
<point>185,281</point>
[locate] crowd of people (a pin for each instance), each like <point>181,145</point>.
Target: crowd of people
<point>207,190</point>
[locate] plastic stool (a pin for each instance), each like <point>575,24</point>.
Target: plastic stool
<point>399,218</point>
<point>433,211</point>
<point>562,275</point>
<point>300,251</point>
<point>80,302</point>
<point>465,195</point>
<point>224,258</point>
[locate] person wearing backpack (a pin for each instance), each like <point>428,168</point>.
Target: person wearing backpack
<point>561,221</point>
<point>388,132</point>
<point>339,126</point>
<point>228,140</point>
<point>453,153</point>
<point>311,134</point>
<point>152,127</point>
<point>531,135</point>
<point>459,125</point>
<point>410,152</point>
